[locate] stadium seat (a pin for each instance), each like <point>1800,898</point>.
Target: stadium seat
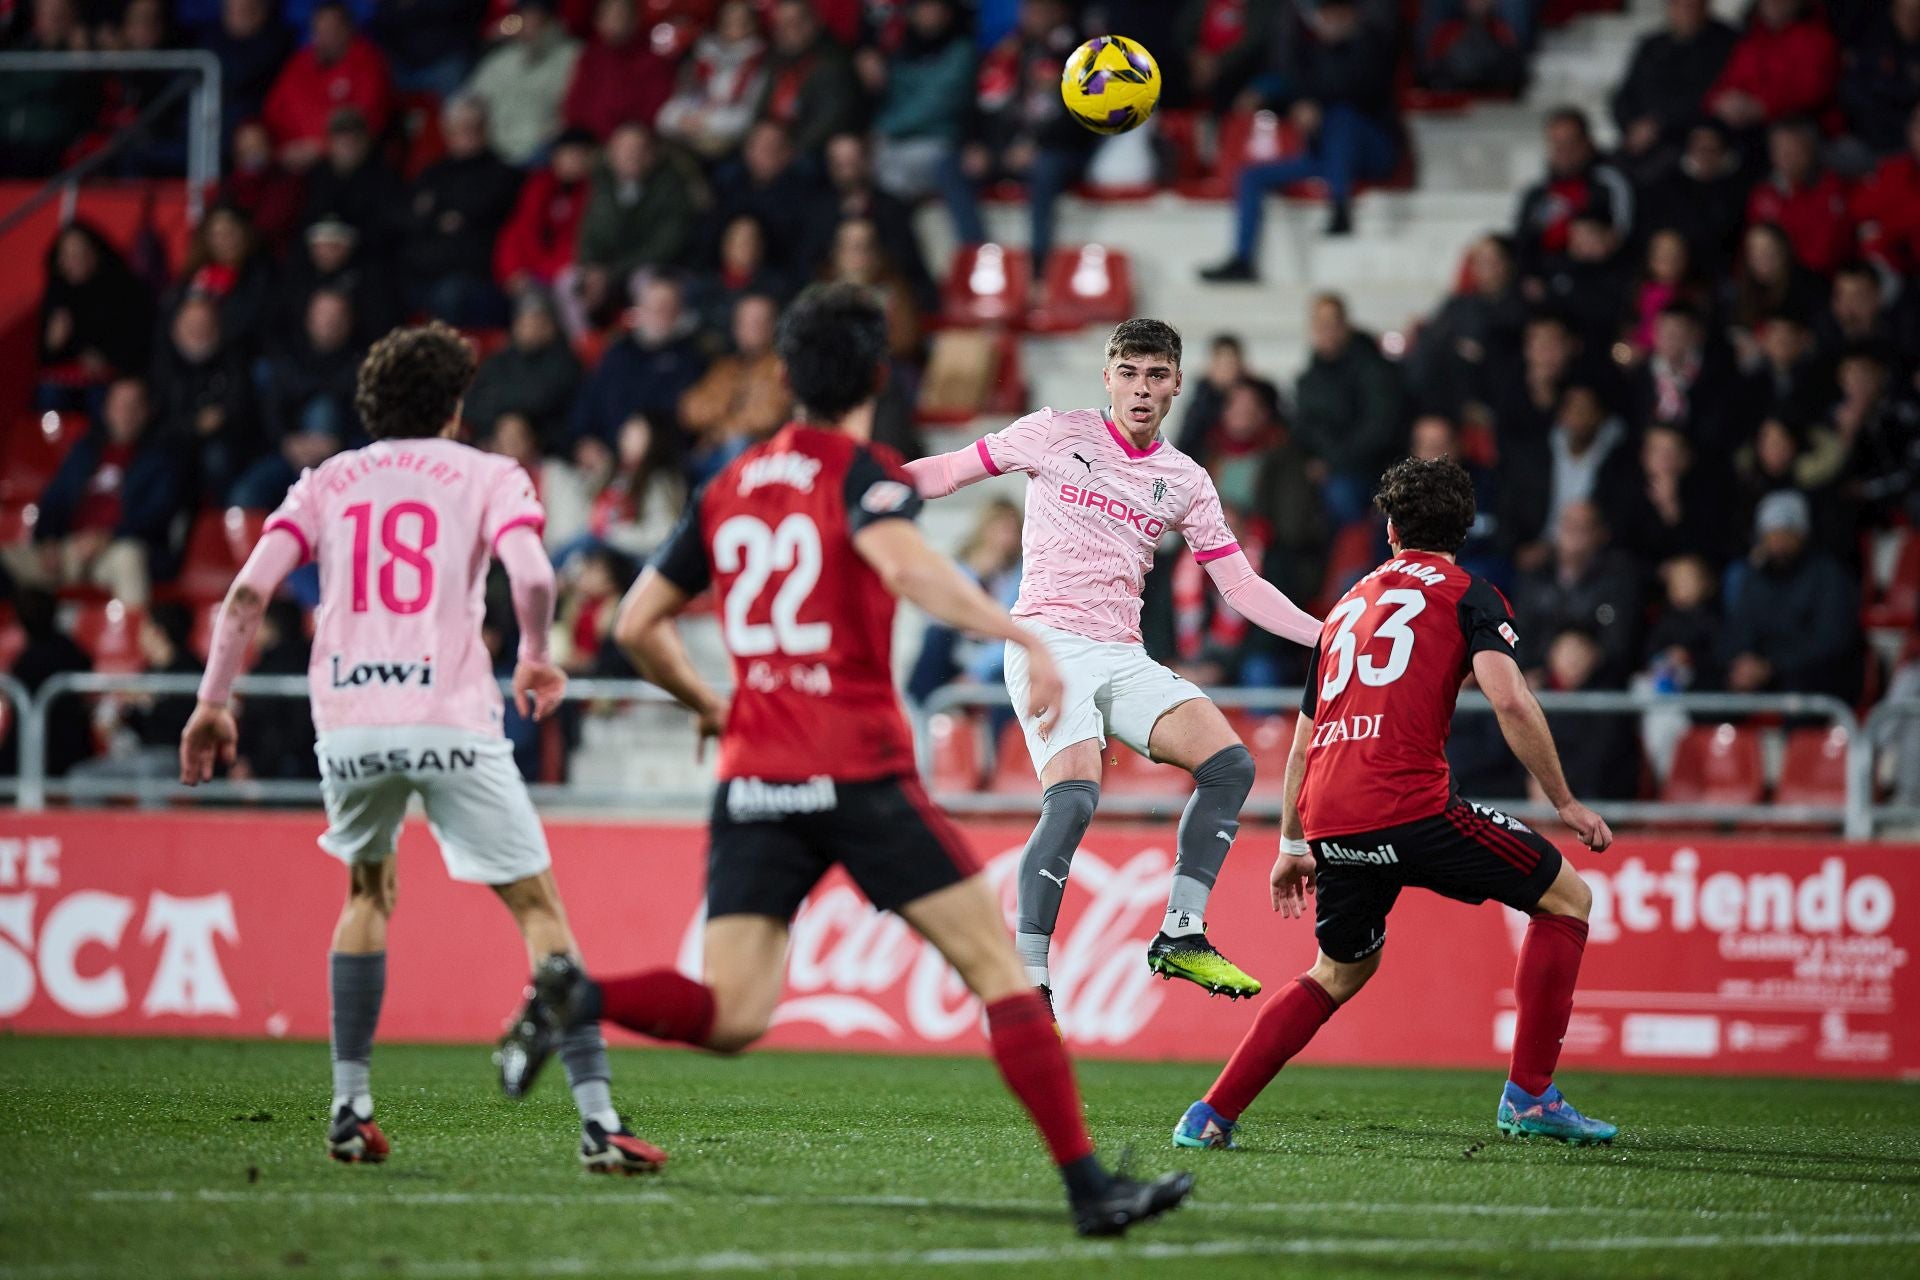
<point>1269,738</point>
<point>210,563</point>
<point>1125,772</point>
<point>1892,604</point>
<point>1245,138</point>
<point>1815,768</point>
<point>1717,764</point>
<point>987,285</point>
<point>33,450</point>
<point>1012,767</point>
<point>110,633</point>
<point>971,372</point>
<point>17,520</point>
<point>13,638</point>
<point>1351,555</point>
<point>1086,286</point>
<point>243,527</point>
<point>956,751</point>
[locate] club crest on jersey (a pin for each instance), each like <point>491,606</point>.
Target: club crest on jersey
<point>1159,491</point>
<point>883,496</point>
<point>361,674</point>
<point>795,470</point>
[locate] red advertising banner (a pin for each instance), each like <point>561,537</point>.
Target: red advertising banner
<point>1766,955</point>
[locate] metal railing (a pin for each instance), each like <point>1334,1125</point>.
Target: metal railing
<point>34,788</point>
<point>1858,818</point>
<point>1855,818</point>
<point>203,118</point>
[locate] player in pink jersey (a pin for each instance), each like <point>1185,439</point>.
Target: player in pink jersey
<point>1103,487</point>
<point>405,701</point>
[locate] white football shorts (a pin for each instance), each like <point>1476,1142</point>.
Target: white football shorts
<point>1112,687</point>
<point>477,805</point>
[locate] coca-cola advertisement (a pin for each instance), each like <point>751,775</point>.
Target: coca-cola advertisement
<point>1709,955</point>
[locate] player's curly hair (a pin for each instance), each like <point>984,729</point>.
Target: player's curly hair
<point>411,382</point>
<point>1430,503</point>
<point>1141,336</point>
<point>833,340</point>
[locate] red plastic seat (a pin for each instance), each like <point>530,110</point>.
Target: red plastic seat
<point>1270,739</point>
<point>17,520</point>
<point>33,450</point>
<point>1013,773</point>
<point>1245,138</point>
<point>1007,394</point>
<point>242,525</point>
<point>13,638</point>
<point>1894,605</point>
<point>956,751</point>
<point>1088,285</point>
<point>1717,764</point>
<point>1815,769</point>
<point>1125,772</point>
<point>210,563</point>
<point>110,633</point>
<point>987,285</point>
<point>1350,556</point>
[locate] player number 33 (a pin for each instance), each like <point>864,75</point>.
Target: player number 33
<point>1340,653</point>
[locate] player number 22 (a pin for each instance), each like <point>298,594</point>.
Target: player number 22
<point>746,546</point>
<point>400,549</point>
<point>1341,649</point>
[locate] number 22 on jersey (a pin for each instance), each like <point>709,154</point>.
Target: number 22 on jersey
<point>408,531</point>
<point>748,546</point>
<point>1342,651</point>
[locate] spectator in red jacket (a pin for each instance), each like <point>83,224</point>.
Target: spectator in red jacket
<point>1786,64</point>
<point>618,77</point>
<point>261,186</point>
<point>1887,207</point>
<point>337,69</point>
<point>538,240</point>
<point>1805,201</point>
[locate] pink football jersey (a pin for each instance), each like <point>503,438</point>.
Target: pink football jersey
<point>1096,507</point>
<point>404,531</point>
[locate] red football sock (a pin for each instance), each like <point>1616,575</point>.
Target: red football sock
<point>659,1003</point>
<point>1282,1030</point>
<point>1034,1064</point>
<point>1543,988</point>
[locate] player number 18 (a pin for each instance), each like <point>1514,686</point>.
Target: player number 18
<point>1341,650</point>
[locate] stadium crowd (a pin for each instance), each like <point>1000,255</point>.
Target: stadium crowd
<point>1684,378</point>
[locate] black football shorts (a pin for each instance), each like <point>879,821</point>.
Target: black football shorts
<point>1467,852</point>
<point>771,842</point>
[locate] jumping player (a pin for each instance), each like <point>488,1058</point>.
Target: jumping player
<point>806,540</point>
<point>405,701</point>
<point>1370,809</point>
<point>1103,486</point>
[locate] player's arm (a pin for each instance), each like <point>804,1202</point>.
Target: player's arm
<point>946,473</point>
<point>646,632</point>
<point>538,685</point>
<point>211,733</point>
<point>1294,870</point>
<point>1259,601</point>
<point>915,572</point>
<point>1524,725</point>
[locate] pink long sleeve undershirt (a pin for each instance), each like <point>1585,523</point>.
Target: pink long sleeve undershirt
<point>945,473</point>
<point>1260,602</point>
<point>529,573</point>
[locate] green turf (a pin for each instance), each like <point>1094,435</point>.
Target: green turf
<point>176,1158</point>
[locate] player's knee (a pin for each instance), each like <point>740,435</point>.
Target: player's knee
<point>1071,801</point>
<point>1569,896</point>
<point>734,1031</point>
<point>373,887</point>
<point>1229,769</point>
<point>1341,980</point>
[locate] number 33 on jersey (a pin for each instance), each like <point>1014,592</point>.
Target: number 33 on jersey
<point>1381,691</point>
<point>807,622</point>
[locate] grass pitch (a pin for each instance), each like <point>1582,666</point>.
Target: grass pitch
<point>200,1158</point>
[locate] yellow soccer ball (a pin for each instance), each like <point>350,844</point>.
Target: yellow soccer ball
<point>1111,84</point>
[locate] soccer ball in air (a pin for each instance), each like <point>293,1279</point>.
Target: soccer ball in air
<point>1111,84</point>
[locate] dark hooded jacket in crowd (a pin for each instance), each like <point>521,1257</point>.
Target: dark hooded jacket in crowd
<point>112,309</point>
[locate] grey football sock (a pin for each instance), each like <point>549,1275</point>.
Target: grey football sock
<point>583,1052</point>
<point>356,983</point>
<point>1207,829</point>
<point>1065,810</point>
